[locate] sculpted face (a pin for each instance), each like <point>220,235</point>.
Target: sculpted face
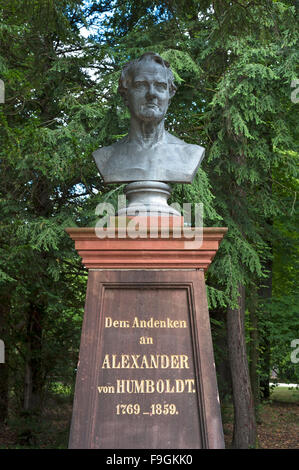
<point>148,92</point>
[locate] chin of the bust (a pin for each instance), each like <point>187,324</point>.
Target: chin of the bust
<point>151,114</point>
<point>151,118</point>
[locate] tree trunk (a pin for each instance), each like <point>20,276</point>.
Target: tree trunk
<point>28,387</point>
<point>244,435</point>
<point>221,354</point>
<point>3,393</point>
<point>254,353</point>
<point>33,386</point>
<point>265,293</point>
<point>265,367</point>
<point>4,308</point>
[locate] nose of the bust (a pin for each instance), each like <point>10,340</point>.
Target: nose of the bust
<point>151,91</point>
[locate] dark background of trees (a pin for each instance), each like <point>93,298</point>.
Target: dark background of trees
<point>234,62</point>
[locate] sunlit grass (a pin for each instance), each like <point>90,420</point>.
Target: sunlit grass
<point>284,394</point>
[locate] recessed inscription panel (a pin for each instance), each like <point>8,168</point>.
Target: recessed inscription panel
<point>146,393</point>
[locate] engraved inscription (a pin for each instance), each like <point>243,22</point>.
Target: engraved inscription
<point>152,361</point>
<point>146,361</point>
<point>151,323</point>
<point>146,386</point>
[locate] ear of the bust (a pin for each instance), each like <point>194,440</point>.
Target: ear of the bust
<point>124,96</point>
<point>172,92</point>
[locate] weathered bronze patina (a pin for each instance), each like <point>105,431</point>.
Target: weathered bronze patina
<point>148,152</point>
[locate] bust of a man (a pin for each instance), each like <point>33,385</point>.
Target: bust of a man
<point>148,152</point>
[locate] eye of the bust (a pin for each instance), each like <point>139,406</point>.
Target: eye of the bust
<point>161,85</point>
<point>139,84</point>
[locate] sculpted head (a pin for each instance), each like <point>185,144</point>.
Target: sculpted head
<point>147,85</point>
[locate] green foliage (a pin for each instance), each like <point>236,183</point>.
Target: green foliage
<point>48,131</point>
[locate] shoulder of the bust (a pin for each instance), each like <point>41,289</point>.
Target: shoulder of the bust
<point>102,150</point>
<point>106,152</point>
<point>102,155</point>
<point>171,139</point>
<point>194,147</point>
<point>99,151</point>
<point>192,152</point>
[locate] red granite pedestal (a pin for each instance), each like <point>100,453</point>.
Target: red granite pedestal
<point>146,375</point>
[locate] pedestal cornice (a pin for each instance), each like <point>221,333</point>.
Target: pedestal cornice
<point>118,251</point>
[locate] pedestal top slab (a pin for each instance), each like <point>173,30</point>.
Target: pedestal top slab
<point>176,248</point>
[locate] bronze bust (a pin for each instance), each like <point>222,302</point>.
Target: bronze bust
<point>148,152</point>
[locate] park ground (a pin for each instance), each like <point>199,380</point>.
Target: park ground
<point>278,423</point>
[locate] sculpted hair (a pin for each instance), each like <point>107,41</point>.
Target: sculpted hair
<point>128,70</point>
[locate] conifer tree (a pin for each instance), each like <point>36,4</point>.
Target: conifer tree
<point>47,128</point>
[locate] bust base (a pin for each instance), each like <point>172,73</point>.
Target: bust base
<point>148,198</point>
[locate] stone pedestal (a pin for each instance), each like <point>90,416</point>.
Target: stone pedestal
<point>146,375</point>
